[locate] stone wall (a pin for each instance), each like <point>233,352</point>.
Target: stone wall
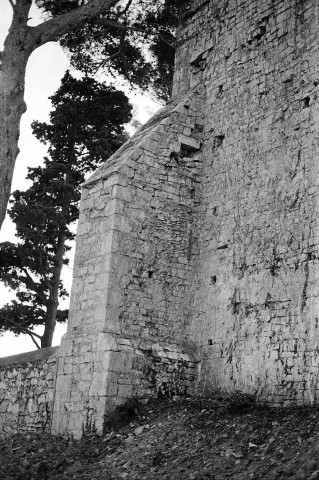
<point>197,250</point>
<point>199,237</point>
<point>130,310</point>
<point>256,288</point>
<point>27,384</point>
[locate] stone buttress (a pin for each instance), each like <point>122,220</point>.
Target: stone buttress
<point>129,314</point>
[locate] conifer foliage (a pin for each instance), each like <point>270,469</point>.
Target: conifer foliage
<point>136,40</point>
<point>86,127</point>
<point>114,35</point>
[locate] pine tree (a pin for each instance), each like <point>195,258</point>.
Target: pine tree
<point>86,127</point>
<point>136,43</point>
<point>21,41</point>
<point>112,34</point>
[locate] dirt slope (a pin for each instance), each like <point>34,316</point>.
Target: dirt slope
<point>202,438</point>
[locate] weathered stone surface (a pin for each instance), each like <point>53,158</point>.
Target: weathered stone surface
<point>201,233</point>
<point>256,283</point>
<point>132,268</point>
<point>197,251</point>
<point>27,384</point>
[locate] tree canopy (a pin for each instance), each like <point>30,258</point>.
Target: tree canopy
<point>136,42</point>
<point>133,38</point>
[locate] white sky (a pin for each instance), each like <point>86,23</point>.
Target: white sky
<point>45,69</point>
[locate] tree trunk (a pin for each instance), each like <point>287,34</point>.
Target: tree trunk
<point>12,73</point>
<point>53,302</point>
<point>19,44</point>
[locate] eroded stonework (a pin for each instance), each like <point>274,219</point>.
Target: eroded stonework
<point>131,305</point>
<point>199,238</point>
<point>197,251</point>
<point>27,384</point>
<point>255,316</point>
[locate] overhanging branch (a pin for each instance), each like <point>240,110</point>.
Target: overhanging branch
<point>12,4</point>
<point>53,29</point>
<point>105,22</point>
<point>25,330</point>
<point>125,9</point>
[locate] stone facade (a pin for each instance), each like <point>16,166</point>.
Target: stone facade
<point>199,237</point>
<point>255,316</point>
<point>27,384</point>
<point>130,304</point>
<point>197,251</point>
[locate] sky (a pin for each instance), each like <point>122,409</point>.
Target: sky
<point>45,69</point>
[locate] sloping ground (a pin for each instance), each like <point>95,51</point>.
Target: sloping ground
<point>201,438</point>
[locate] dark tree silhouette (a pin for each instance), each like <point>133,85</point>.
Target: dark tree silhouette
<point>86,126</point>
<point>116,34</point>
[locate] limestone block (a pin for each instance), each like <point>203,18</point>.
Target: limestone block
<point>111,389</point>
<point>13,408</point>
<point>106,342</point>
<point>122,193</point>
<point>121,362</point>
<point>150,145</point>
<point>125,391</point>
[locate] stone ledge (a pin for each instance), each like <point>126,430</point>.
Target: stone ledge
<point>29,357</point>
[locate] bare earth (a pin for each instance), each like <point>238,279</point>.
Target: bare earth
<point>200,438</point>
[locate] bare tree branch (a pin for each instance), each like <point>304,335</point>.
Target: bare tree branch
<point>104,22</point>
<point>53,29</point>
<point>125,9</point>
<point>12,4</point>
<point>30,279</point>
<point>35,342</point>
<point>26,330</point>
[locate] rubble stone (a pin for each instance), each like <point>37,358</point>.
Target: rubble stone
<point>27,384</point>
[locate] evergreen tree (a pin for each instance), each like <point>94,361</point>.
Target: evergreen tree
<point>137,42</point>
<point>112,34</point>
<point>86,127</point>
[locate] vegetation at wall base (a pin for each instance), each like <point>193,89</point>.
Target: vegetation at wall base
<point>198,438</point>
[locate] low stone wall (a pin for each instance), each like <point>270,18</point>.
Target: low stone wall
<point>135,369</point>
<point>165,370</point>
<point>125,368</point>
<point>151,370</point>
<point>27,383</point>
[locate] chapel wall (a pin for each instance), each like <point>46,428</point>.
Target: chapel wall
<point>256,298</point>
<point>130,309</point>
<point>196,263</point>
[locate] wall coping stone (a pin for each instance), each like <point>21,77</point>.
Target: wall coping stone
<point>113,164</point>
<point>29,357</point>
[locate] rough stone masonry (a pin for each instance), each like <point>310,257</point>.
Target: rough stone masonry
<point>197,252</point>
